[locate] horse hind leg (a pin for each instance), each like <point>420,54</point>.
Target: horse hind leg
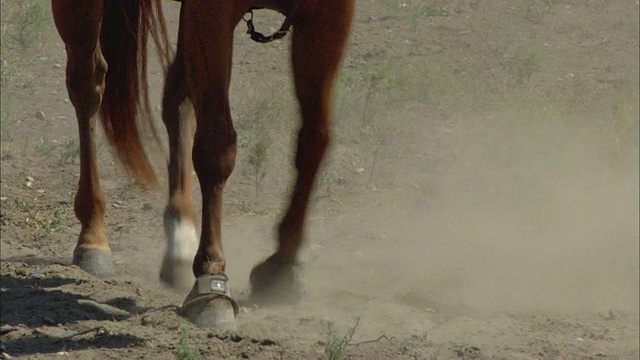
<point>86,69</point>
<point>179,216</point>
<point>319,38</point>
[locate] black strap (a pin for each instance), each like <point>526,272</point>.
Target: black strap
<point>261,38</point>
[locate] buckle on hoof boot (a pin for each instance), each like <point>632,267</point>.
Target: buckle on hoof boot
<point>217,286</point>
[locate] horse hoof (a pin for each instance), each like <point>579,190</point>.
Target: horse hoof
<point>276,282</point>
<point>209,304</point>
<point>97,262</point>
<point>177,274</point>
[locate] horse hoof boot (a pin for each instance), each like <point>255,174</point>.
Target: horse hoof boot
<point>209,304</point>
<point>276,282</point>
<point>97,262</point>
<point>177,274</point>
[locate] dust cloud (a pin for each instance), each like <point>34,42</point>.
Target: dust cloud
<point>526,216</point>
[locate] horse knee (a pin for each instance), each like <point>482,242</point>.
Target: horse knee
<point>174,93</point>
<point>214,154</point>
<point>85,80</point>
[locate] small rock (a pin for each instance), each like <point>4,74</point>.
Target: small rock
<point>267,342</point>
<point>49,321</point>
<point>28,184</point>
<point>147,320</point>
<point>5,329</point>
<point>30,178</point>
<point>103,309</point>
<point>57,66</point>
<point>40,115</point>
<point>3,198</point>
<point>37,276</point>
<point>62,353</point>
<point>40,191</point>
<point>612,316</point>
<point>359,170</point>
<point>21,272</point>
<point>579,339</point>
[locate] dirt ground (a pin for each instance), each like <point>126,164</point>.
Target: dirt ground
<point>480,200</point>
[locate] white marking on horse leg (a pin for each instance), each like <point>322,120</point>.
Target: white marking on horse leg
<point>182,244</point>
<point>182,239</point>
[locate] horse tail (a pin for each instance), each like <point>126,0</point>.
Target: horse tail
<point>126,27</point>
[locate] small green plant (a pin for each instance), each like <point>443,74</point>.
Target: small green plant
<point>373,80</point>
<point>413,14</point>
<point>433,10</point>
<point>530,63</point>
<point>44,147</point>
<point>381,134</point>
<point>535,13</point>
<point>70,152</point>
<point>326,182</point>
<point>8,117</point>
<point>30,23</point>
<point>522,65</point>
<point>336,345</point>
<point>24,205</point>
<point>257,160</point>
<point>54,223</point>
<point>184,351</point>
<point>245,207</point>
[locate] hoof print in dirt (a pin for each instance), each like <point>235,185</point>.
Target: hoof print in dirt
<point>96,262</point>
<point>276,282</point>
<point>209,304</point>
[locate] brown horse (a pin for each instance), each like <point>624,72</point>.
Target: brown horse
<point>106,42</point>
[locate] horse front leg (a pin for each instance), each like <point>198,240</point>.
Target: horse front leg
<point>208,44</point>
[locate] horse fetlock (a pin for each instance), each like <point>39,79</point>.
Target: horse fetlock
<point>275,282</point>
<point>182,238</point>
<point>182,244</point>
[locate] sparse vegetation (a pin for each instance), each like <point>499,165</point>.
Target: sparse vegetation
<point>521,66</point>
<point>257,162</point>
<point>413,13</point>
<point>8,117</point>
<point>70,152</point>
<point>373,84</point>
<point>326,182</point>
<point>22,28</point>
<point>44,147</point>
<point>39,217</point>
<point>53,223</point>
<point>184,351</point>
<point>30,22</point>
<point>336,345</point>
<point>24,205</point>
